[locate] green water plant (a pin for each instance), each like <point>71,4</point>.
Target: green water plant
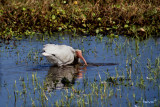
<point>28,17</point>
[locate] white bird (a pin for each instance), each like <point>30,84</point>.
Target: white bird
<point>62,54</point>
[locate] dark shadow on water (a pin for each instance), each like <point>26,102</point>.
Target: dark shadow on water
<point>47,66</point>
<point>102,64</point>
<point>41,67</point>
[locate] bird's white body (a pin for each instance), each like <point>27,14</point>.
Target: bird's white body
<point>59,54</point>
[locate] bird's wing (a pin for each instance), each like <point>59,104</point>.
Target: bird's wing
<point>64,53</point>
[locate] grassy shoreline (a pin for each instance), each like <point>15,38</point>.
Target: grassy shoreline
<point>118,17</point>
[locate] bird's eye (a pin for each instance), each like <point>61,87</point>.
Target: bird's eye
<point>53,54</point>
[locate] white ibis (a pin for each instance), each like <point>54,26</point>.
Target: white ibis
<point>62,54</point>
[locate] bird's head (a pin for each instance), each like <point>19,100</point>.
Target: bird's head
<point>79,55</point>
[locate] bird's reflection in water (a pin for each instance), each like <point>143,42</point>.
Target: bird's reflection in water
<point>63,77</point>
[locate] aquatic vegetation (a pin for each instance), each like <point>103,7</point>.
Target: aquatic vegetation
<point>98,92</point>
<point>28,17</point>
<point>121,71</point>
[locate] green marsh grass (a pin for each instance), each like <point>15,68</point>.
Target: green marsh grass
<point>119,17</point>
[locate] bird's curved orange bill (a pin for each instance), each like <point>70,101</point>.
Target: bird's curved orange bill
<point>79,54</point>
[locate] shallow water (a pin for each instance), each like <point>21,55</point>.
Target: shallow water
<point>129,60</point>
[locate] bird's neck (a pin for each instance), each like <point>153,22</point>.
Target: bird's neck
<point>76,60</point>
